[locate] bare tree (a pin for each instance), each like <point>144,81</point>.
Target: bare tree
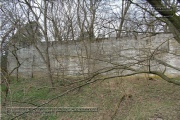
<point>125,7</point>
<point>9,22</point>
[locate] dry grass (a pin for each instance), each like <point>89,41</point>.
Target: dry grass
<point>144,99</point>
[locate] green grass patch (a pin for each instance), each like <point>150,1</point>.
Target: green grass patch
<point>49,117</point>
<point>150,99</point>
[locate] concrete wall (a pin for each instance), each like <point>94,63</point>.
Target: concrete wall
<point>79,57</point>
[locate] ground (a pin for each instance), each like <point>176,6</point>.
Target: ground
<point>132,98</point>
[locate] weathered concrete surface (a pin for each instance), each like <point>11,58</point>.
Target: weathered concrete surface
<point>80,57</point>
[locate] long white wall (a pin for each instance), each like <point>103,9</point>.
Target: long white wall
<point>80,57</point>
